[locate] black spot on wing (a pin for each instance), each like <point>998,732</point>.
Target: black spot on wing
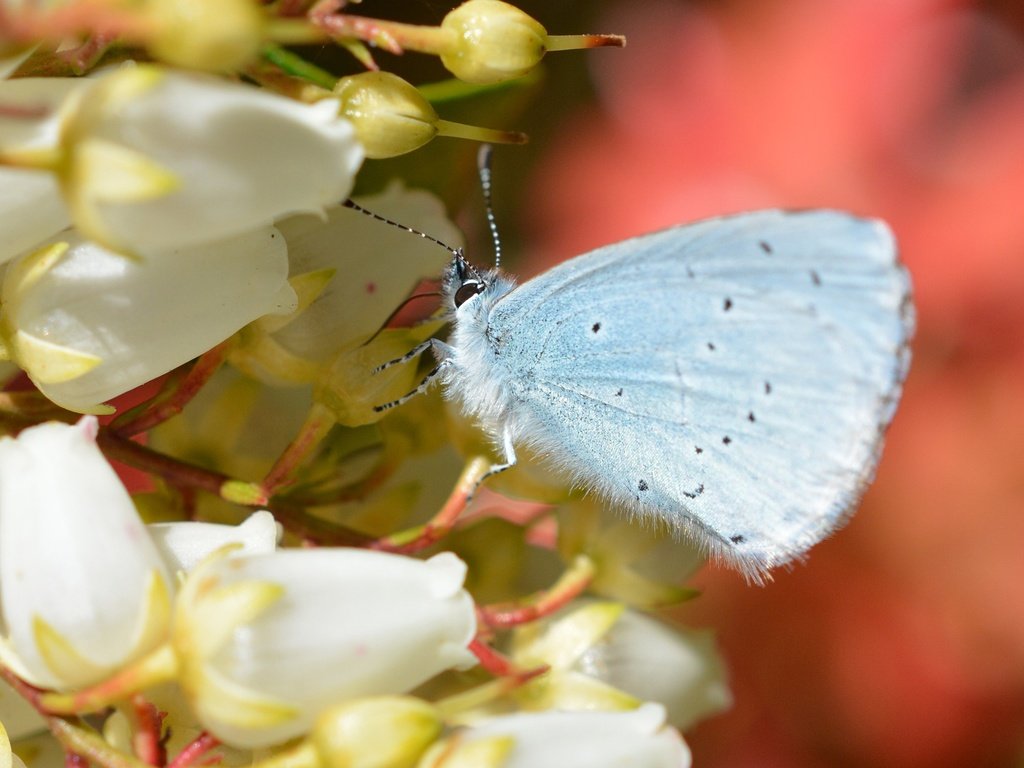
<point>595,327</point>
<point>767,387</point>
<point>815,277</point>
<point>698,449</point>
<point>766,247</point>
<point>695,492</point>
<point>750,417</point>
<point>726,440</point>
<point>727,304</point>
<point>711,346</point>
<point>642,485</point>
<point>737,539</point>
<point>619,392</point>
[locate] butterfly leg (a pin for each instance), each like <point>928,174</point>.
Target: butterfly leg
<point>510,461</point>
<point>420,388</point>
<point>441,350</point>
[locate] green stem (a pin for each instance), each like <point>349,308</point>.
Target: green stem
<point>456,90</point>
<point>476,133</point>
<point>297,66</point>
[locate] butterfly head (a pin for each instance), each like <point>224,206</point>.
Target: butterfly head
<point>462,282</point>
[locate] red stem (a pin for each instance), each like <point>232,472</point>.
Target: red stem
<point>187,388</point>
<point>147,741</point>
<point>195,749</point>
<point>175,471</point>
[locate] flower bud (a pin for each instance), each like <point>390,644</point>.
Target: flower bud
<point>389,115</point>
<point>198,34</point>
<point>489,41</point>
<point>82,588</point>
<point>566,740</point>
<point>146,149</point>
<point>492,41</point>
<point>347,623</point>
<point>380,732</point>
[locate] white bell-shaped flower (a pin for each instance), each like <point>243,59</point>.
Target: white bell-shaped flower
<point>82,588</point>
<point>677,667</point>
<point>637,738</point>
<point>156,159</point>
<point>267,642</point>
<point>185,545</point>
<point>87,324</point>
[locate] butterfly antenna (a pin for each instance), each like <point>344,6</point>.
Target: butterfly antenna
<point>357,207</point>
<point>483,162</point>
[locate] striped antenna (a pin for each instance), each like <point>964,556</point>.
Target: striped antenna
<point>483,162</point>
<point>357,207</point>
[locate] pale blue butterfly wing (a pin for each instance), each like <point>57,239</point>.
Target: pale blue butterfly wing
<point>732,377</point>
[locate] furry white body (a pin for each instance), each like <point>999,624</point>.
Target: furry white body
<point>733,377</point>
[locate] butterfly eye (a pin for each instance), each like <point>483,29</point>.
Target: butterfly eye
<point>467,291</point>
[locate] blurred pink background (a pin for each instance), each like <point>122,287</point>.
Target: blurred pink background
<point>901,641</point>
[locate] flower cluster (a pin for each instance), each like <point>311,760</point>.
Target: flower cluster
<point>185,292</point>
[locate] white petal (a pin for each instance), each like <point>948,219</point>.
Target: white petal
<point>73,551</point>
<point>653,661</point>
<point>141,318</point>
<point>31,206</point>
<point>184,545</point>
<point>377,264</point>
<point>588,739</point>
<point>31,210</point>
<point>32,104</point>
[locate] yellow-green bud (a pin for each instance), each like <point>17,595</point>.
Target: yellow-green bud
<point>197,34</point>
<point>380,732</point>
<point>492,41</point>
<point>389,115</point>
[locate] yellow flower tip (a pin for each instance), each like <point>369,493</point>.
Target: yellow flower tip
<point>111,93</point>
<point>49,363</point>
<point>60,655</point>
<point>390,116</point>
<point>217,699</point>
<point>391,731</point>
<point>197,34</point>
<point>155,616</point>
<point>99,172</point>
<point>25,273</point>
